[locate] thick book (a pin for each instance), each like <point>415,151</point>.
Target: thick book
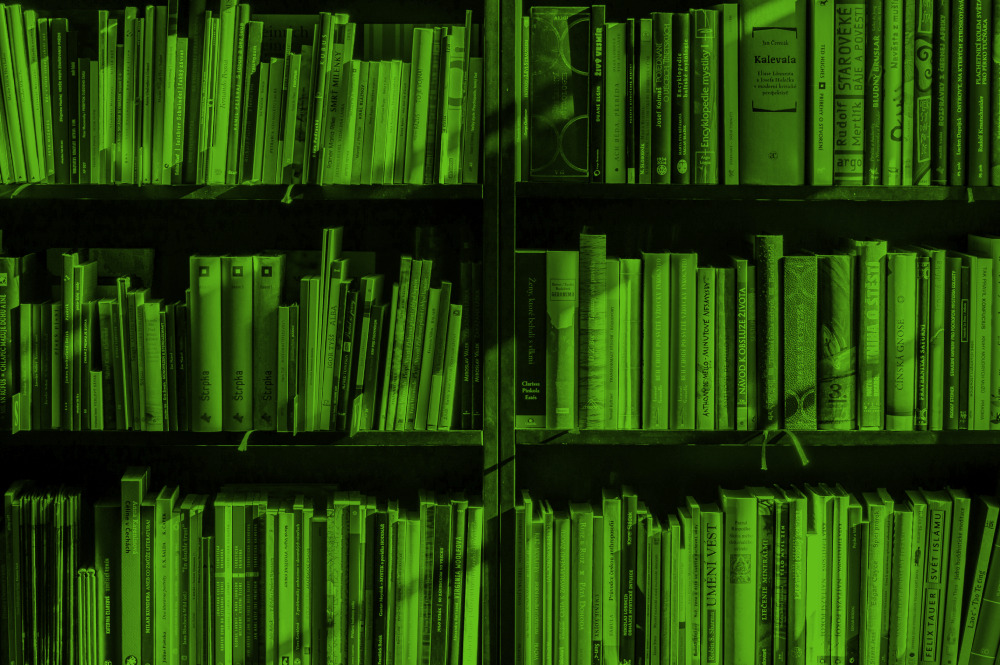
<point>740,585</point>
<point>982,535</point>
<point>655,340</point>
<point>530,288</point>
<point>560,51</point>
<point>206,348</point>
<point>871,269</point>
<point>849,93</point>
<point>988,248</point>
<point>772,115</point>
<point>901,320</point>
<point>562,303</point>
<point>800,327</point>
<point>268,272</point>
<point>836,380</point>
<point>134,485</point>
<point>237,343</point>
<point>682,334</point>
<point>768,251</point>
<point>592,367</point>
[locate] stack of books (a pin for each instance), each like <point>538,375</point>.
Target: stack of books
<point>103,354</point>
<point>760,575</point>
<point>870,337</point>
<point>123,97</point>
<point>267,574</point>
<point>761,92</point>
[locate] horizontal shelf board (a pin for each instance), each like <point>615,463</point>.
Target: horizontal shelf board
<point>548,190</point>
<point>259,439</point>
<point>240,192</point>
<point>545,437</point>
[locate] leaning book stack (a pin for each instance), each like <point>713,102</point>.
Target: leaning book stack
<point>293,342</point>
<point>134,97</point>
<point>869,336</point>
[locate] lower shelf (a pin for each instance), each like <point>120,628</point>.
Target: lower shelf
<point>542,437</point>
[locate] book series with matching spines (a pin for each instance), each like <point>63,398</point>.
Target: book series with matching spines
<point>785,92</point>
<point>126,97</point>
<point>764,575</point>
<point>868,337</point>
<point>266,574</point>
<point>353,353</point>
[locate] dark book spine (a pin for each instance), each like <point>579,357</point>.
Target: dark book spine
<point>170,417</point>
<point>765,583</point>
<point>476,331</point>
<point>631,103</point>
<point>433,104</point>
<point>45,343</point>
<point>441,590</point>
<point>627,641</point>
<point>922,348</point>
<point>681,102</point>
<point>529,339</point>
<point>980,38</point>
<point>147,569</point>
<point>873,94</point>
<point>107,560</point>
<point>9,345</point>
<point>347,354</point>
<point>380,563</point>
<point>182,340</point>
<point>84,101</point>
<point>957,130</point>
<point>465,346</point>
<point>963,349</point>
<point>941,90</point>
<point>59,65</point>
<point>855,579</point>
<point>952,328</point>
<point>768,251</point>
<point>780,604</point>
<point>660,148</point>
<point>597,94</point>
<point>73,117</point>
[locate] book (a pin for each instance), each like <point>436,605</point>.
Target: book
<point>837,369</point>
<point>562,298</point>
<point>593,361</point>
<point>768,250</point>
<point>800,290</point>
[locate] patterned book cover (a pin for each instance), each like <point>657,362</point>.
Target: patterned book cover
<point>800,291</point>
<point>768,250</point>
<point>836,374</point>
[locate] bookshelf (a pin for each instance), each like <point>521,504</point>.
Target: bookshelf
<point>663,467</point>
<point>184,219</point>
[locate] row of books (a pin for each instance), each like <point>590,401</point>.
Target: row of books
<point>786,92</point>
<point>864,338</point>
<point>347,356</point>
<point>255,574</point>
<point>122,97</point>
<point>760,575</point>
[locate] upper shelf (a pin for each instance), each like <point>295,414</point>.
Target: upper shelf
<point>258,439</point>
<point>536,437</point>
<point>582,190</point>
<point>286,193</point>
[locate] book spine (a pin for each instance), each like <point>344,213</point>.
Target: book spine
<point>741,311</point>
<point>923,115</point>
<point>983,643</point>
<point>871,260</point>
<point>268,273</point>
<point>921,398</point>
<point>631,107</point>
<point>765,581</point>
<point>935,581</point>
<point>958,129</point>
<point>941,86</point>
<point>822,98</point>
<point>529,273</point>
<point>964,371</point>
<point>630,374</point>
<point>683,328</point>
<point>977,581</point>
<point>616,103</point>
<point>562,298</point>
<point>772,118</point>
<point>849,93</point>
<point>983,340</point>
<point>800,296</point>
<point>768,251</point>
<point>892,98</point>
<point>597,95</point>
<point>730,102</point>
<point>237,357</point>
<point>434,107</point>
<point>725,348</point>
<point>753,382</point>
<point>706,78</point>
<point>908,125</point>
<point>837,397</point>
<point>873,93</point>
<point>980,33</point>
<point>661,94</point>
<point>206,337</point>
<point>952,619</point>
<point>902,316</point>
<point>680,106</point>
<point>705,383</point>
<point>936,368</point>
<point>655,341</point>
<point>740,591</point>
<point>644,101</point>
<point>593,331</point>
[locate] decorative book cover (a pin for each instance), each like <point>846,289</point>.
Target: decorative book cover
<point>772,92</point>
<point>768,250</point>
<point>562,302</point>
<point>559,96</point>
<point>849,93</point>
<point>800,295</point>
<point>836,374</point>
